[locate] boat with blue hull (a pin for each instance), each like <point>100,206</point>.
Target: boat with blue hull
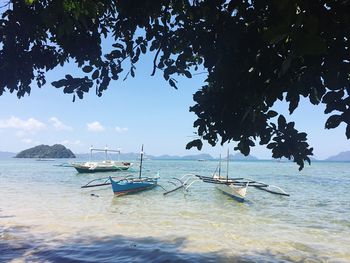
<point>127,184</point>
<point>133,185</point>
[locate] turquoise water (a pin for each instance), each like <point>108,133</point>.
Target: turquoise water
<point>46,217</point>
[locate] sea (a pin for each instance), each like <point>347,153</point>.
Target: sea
<point>45,215</point>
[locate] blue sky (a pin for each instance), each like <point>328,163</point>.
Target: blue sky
<point>139,110</point>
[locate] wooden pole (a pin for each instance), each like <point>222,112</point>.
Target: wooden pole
<point>141,162</point>
<point>228,154</point>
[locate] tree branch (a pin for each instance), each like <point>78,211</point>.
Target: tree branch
<point>154,62</point>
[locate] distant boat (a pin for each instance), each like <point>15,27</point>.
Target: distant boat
<point>45,159</point>
<point>102,166</point>
<point>63,165</point>
<point>132,185</point>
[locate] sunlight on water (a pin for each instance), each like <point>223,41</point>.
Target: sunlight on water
<point>46,216</point>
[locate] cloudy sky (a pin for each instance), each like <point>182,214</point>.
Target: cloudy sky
<point>140,110</point>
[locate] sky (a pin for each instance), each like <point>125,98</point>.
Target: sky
<point>141,110</point>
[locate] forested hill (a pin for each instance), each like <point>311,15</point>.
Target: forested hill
<point>343,156</point>
<point>46,151</point>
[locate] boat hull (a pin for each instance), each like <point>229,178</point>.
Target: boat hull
<point>100,167</point>
<point>236,192</point>
<point>98,170</point>
<point>130,186</point>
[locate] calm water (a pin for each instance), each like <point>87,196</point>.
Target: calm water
<point>45,216</point>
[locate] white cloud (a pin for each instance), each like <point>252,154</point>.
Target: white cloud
<point>20,134</point>
<point>68,142</point>
<point>60,126</point>
<point>30,141</point>
<point>31,125</point>
<point>121,130</point>
<point>95,127</point>
<point>27,141</point>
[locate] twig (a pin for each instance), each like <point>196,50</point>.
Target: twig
<point>154,62</point>
<point>7,4</point>
<point>199,73</point>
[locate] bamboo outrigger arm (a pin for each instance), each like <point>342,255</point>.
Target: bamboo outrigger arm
<point>266,188</point>
<point>184,182</point>
<point>105,182</point>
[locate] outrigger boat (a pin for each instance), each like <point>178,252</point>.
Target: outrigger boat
<point>237,187</point>
<point>230,186</point>
<point>103,166</point>
<point>128,184</point>
<point>234,187</point>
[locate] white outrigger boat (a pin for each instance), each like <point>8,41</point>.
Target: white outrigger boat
<point>234,187</point>
<point>102,166</point>
<point>237,187</point>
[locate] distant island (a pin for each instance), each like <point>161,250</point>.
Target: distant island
<point>194,157</point>
<point>203,156</point>
<point>340,157</point>
<point>46,151</point>
<point>241,157</point>
<point>7,154</point>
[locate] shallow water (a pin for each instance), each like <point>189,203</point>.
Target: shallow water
<point>46,216</point>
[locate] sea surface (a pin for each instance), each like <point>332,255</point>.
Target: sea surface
<point>46,217</point>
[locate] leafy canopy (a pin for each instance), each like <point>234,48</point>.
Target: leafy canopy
<point>254,53</point>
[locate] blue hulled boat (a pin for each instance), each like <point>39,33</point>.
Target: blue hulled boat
<point>132,185</point>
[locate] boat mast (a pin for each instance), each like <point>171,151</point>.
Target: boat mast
<point>91,148</point>
<point>106,149</point>
<point>141,161</point>
<point>119,149</point>
<point>228,155</point>
<point>220,166</point>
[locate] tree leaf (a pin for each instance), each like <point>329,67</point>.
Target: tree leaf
<point>87,69</point>
<point>281,122</point>
<point>347,132</point>
<point>333,121</point>
<point>95,74</point>
<point>271,113</point>
<point>188,74</point>
<point>59,83</point>
<point>195,143</point>
<point>118,45</point>
<point>271,145</point>
<point>172,83</point>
